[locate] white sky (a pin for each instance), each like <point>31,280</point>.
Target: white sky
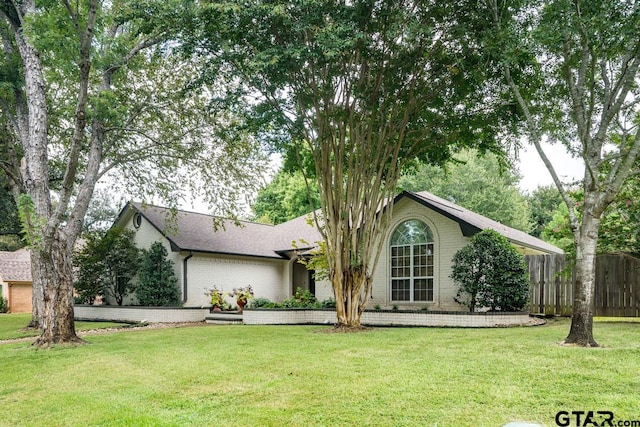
<point>534,172</point>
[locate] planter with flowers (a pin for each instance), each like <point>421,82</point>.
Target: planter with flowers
<point>217,299</point>
<point>242,295</point>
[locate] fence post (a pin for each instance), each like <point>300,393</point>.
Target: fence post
<point>542,283</point>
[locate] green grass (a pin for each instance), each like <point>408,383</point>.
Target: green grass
<point>299,376</point>
<point>11,326</point>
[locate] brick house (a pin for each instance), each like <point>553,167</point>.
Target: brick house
<point>413,271</point>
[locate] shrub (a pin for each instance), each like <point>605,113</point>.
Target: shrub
<point>328,303</point>
<point>490,273</point>
<point>261,302</point>
<point>301,299</point>
<point>4,305</point>
<point>106,265</point>
<point>157,282</point>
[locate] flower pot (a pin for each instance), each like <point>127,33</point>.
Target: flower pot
<point>241,303</point>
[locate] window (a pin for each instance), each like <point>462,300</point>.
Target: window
<point>137,220</point>
<point>412,262</point>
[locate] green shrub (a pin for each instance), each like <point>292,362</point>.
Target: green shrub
<point>328,303</point>
<point>301,299</point>
<point>4,305</point>
<point>260,303</point>
<point>105,266</point>
<point>490,273</point>
<point>157,282</point>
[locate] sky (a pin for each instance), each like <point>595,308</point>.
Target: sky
<point>534,172</point>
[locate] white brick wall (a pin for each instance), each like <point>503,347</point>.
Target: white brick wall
<point>144,237</point>
<point>139,314</point>
<point>386,318</point>
<point>266,277</point>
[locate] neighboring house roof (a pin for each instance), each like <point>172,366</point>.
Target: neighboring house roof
<point>15,266</point>
<point>472,223</point>
<point>190,231</point>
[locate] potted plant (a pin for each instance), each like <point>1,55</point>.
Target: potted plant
<point>242,296</point>
<point>217,298</point>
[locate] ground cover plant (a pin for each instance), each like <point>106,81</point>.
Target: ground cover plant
<point>300,376</point>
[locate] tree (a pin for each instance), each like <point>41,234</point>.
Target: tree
<point>619,228</point>
<point>572,70</point>
<point>10,228</point>
<point>285,198</point>
<point>92,91</point>
<point>482,184</point>
<point>490,273</point>
<point>543,202</point>
<point>106,264</point>
<point>157,282</point>
<point>101,212</point>
<point>364,87</point>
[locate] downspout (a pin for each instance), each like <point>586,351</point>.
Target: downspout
<point>184,276</point>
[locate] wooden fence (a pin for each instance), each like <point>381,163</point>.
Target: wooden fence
<point>617,285</point>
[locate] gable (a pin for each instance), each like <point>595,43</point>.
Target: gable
<point>471,223</point>
<point>194,232</point>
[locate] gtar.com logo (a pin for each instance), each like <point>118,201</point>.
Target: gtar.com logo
<point>591,419</point>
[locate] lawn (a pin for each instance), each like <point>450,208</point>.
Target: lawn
<point>300,376</point>
<point>11,326</point>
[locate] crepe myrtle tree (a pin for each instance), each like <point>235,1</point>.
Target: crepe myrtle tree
<point>490,274</point>
<point>365,88</point>
<point>572,68</point>
<point>91,89</point>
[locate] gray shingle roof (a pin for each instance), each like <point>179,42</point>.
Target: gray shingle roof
<point>15,266</point>
<point>196,232</point>
<point>472,223</point>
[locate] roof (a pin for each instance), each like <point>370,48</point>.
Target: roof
<point>15,266</point>
<point>471,223</point>
<point>197,232</point>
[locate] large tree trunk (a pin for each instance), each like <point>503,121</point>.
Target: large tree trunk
<point>56,280</point>
<point>350,299</point>
<point>37,296</point>
<point>581,332</point>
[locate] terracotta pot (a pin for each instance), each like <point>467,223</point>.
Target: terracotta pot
<point>241,303</point>
<point>216,308</point>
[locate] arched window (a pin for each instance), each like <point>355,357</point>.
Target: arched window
<point>412,262</point>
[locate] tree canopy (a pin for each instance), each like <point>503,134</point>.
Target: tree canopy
<point>94,89</point>
<point>286,197</point>
<point>364,87</point>
<point>543,203</point>
<point>572,69</point>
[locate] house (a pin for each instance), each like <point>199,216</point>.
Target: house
<point>413,271</point>
<point>15,278</point>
